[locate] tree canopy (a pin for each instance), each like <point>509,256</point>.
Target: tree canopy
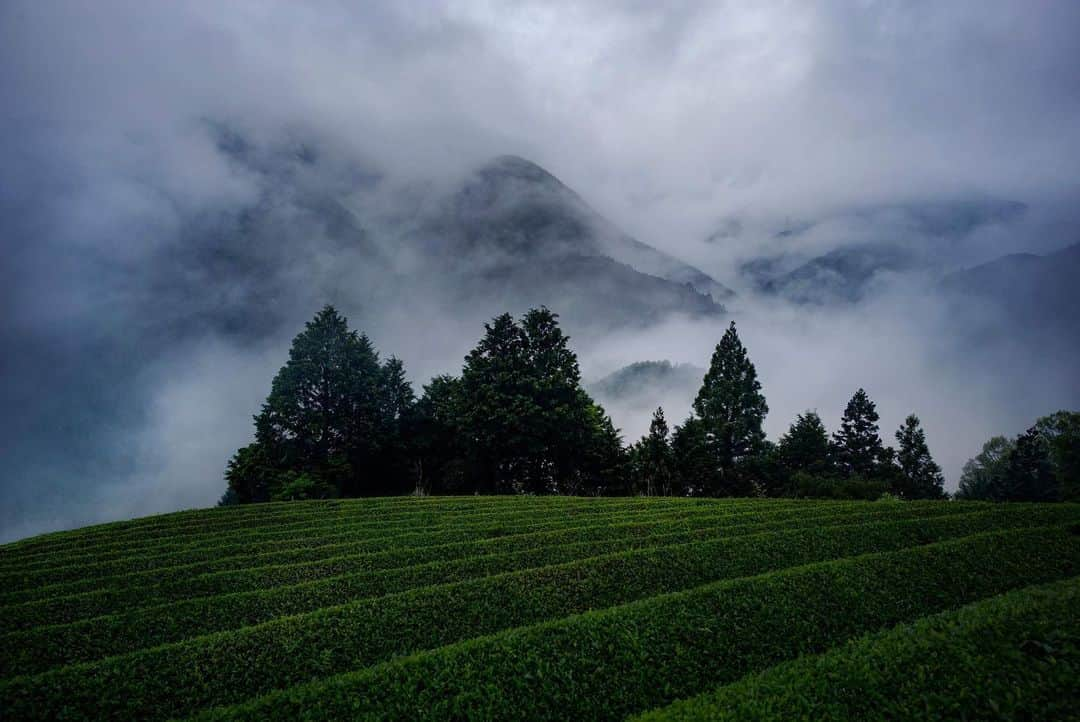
<point>338,421</point>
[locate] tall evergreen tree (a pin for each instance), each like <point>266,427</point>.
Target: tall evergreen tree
<point>732,410</point>
<point>527,424</point>
<point>494,390</point>
<point>857,448</point>
<point>395,465</point>
<point>805,447</point>
<point>655,461</point>
<point>920,477</point>
<point>322,415</point>
<point>561,422</point>
<point>332,421</point>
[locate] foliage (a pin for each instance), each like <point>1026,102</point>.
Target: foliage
<point>816,486</point>
<point>1061,430</point>
<point>333,414</point>
<point>224,605</point>
<point>525,422</point>
<point>1039,465</point>
<point>805,447</point>
<point>653,459</point>
<point>296,487</point>
<point>983,476</point>
<point>857,448</point>
<point>1008,657</point>
<point>920,477</point>
<point>696,473</point>
<point>1029,475</point>
<point>732,410</point>
<point>143,623</point>
<point>590,666</point>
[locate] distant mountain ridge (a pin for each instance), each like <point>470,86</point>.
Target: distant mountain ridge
<point>512,234</point>
<point>508,236</point>
<point>513,206</point>
<point>870,244</point>
<point>845,275</point>
<point>646,378</point>
<point>1040,292</point>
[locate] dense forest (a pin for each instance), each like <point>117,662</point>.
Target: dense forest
<point>341,422</point>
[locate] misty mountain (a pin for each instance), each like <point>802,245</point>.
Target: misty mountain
<point>845,275</point>
<point>900,238</point>
<point>512,235</point>
<point>1023,294</point>
<point>644,377</point>
<point>508,236</point>
<point>513,207</point>
<point>633,392</point>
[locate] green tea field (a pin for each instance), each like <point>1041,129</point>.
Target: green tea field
<point>557,608</point>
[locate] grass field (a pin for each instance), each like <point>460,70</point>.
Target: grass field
<point>549,608</point>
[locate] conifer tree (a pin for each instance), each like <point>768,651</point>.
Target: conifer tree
<point>394,457</point>
<point>805,447</point>
<point>696,472</point>
<point>322,416</point>
<point>857,447</point>
<point>920,477</point>
<point>732,410</point>
<point>526,423</point>
<point>332,424</point>
<point>494,389</point>
<point>437,438</point>
<point>655,461</point>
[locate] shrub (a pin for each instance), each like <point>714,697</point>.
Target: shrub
<point>1016,656</point>
<point>683,642</point>
<point>618,661</point>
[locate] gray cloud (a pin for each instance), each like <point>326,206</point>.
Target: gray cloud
<point>122,210</point>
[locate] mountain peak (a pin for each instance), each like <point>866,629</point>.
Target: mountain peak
<point>516,167</point>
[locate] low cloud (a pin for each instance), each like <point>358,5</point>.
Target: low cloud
<point>143,320</point>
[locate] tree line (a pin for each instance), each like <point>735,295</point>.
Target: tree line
<point>340,422</point>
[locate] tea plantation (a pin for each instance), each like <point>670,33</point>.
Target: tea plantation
<point>556,608</point>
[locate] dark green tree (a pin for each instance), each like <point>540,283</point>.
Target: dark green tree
<point>805,447</point>
<point>494,408</point>
<point>394,461</point>
<point>561,423</point>
<point>249,475</point>
<point>333,424</point>
<point>527,425</point>
<point>732,410</point>
<point>696,472</point>
<point>1061,430</point>
<point>983,477</point>
<point>1029,475</point>
<point>603,470</point>
<point>437,439</point>
<point>920,477</point>
<point>654,461</point>
<point>323,416</point>
<point>857,448</point>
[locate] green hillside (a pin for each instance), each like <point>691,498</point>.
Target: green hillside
<point>549,608</point>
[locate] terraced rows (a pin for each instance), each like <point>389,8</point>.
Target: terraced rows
<point>535,607</point>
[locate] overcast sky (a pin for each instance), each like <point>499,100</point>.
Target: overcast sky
<point>669,118</point>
